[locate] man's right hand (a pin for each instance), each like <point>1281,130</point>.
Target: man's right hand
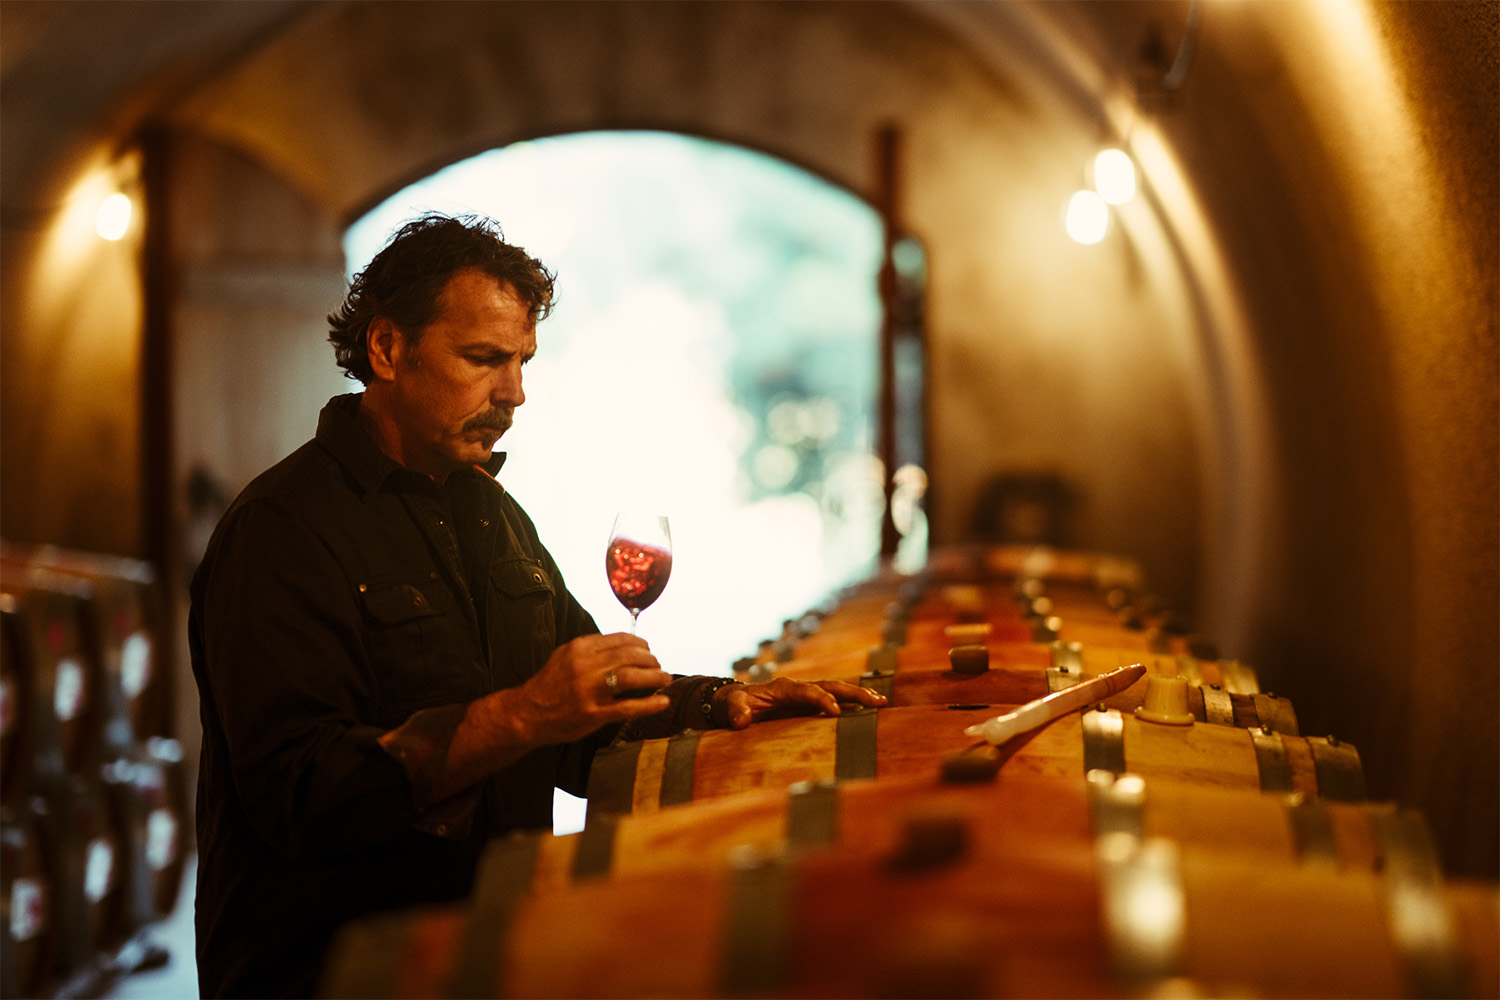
<point>446,750</point>
<point>572,695</point>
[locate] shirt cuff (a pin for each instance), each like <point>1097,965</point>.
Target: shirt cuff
<point>691,707</point>
<point>421,746</point>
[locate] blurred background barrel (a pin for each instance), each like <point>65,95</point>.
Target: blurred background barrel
<point>15,703</point>
<point>29,935</point>
<point>96,809</point>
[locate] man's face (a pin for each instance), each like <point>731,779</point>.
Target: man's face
<point>456,390</point>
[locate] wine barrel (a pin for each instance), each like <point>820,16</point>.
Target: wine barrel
<point>915,740</point>
<point>1015,673</point>
<point>936,916</point>
<point>160,780</point>
<point>62,677</point>
<point>146,801</point>
<point>29,932</point>
<point>943,632</point>
<point>1032,599</point>
<point>916,620</point>
<point>869,818</point>
<point>110,628</point>
<point>122,614</point>
<point>971,563</point>
<point>16,709</point>
<point>93,889</point>
<point>931,624</point>
<point>1104,570</point>
<point>1100,609</point>
<point>956,581</point>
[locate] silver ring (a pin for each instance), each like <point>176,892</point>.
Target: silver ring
<point>611,681</point>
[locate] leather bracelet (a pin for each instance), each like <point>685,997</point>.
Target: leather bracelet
<point>714,718</point>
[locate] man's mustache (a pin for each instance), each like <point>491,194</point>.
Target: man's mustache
<point>497,419</point>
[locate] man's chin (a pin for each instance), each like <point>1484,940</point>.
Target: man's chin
<point>476,446</point>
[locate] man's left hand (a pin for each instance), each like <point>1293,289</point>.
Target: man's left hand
<point>742,704</point>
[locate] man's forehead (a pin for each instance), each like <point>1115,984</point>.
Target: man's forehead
<point>477,301</point>
<point>475,283</point>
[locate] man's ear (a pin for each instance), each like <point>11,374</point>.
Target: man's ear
<point>384,344</point>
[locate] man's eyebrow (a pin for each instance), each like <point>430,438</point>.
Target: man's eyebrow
<point>491,350</point>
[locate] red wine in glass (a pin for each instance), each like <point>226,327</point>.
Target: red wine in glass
<point>638,561</point>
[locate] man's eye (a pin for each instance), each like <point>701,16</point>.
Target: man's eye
<point>493,360</point>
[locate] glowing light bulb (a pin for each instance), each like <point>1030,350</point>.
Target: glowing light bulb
<point>1088,217</point>
<point>1114,176</point>
<point>114,217</point>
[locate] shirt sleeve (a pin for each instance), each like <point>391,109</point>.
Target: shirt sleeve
<point>287,680</point>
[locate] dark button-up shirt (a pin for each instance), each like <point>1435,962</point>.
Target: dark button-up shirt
<point>340,595</point>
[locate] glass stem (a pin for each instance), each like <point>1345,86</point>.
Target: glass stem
<point>633,613</point>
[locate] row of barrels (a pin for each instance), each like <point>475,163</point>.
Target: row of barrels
<point>1180,839</point>
<point>93,798</point>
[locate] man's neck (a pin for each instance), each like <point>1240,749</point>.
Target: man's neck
<point>375,416</point>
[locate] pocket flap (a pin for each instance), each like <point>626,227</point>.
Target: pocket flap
<point>520,577</point>
<point>401,601</point>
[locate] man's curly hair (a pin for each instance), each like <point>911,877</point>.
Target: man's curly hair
<point>404,282</point>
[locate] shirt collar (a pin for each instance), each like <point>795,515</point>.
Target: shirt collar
<point>340,432</point>
<point>493,463</point>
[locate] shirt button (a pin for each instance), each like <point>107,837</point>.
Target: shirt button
<point>442,830</point>
<point>430,576</point>
<point>363,588</point>
<point>484,522</point>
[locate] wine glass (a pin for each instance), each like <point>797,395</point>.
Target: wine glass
<point>638,560</point>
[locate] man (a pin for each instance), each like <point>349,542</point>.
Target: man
<point>390,667</point>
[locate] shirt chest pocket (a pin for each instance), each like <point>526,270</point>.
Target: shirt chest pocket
<point>414,643</point>
<point>522,608</point>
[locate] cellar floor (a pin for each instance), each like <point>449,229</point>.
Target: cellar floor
<point>178,979</point>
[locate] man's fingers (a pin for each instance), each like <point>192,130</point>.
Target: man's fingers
<point>784,692</point>
<point>740,714</point>
<point>784,696</point>
<point>622,656</point>
<point>844,691</point>
<point>636,679</point>
<point>815,695</point>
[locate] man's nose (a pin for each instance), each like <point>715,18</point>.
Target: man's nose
<point>506,389</point>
